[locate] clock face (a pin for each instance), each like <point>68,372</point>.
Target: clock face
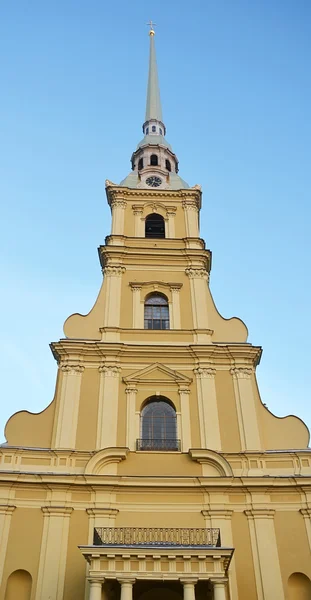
<point>154,181</point>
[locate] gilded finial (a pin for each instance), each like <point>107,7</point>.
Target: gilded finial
<point>151,25</point>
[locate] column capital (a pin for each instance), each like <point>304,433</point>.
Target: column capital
<point>95,580</point>
<point>183,390</point>
<point>102,512</point>
<point>57,511</point>
<point>242,372</point>
<point>219,581</point>
<point>113,270</point>
<point>71,368</point>
<point>188,581</point>
<point>221,513</point>
<point>6,509</point>
<point>205,372</point>
<point>197,273</point>
<point>126,581</point>
<point>110,370</point>
<point>117,203</point>
<point>259,513</point>
<point>131,389</point>
<point>306,512</point>
<point>190,205</point>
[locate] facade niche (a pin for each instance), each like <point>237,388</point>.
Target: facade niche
<point>158,425</point>
<point>154,226</point>
<point>156,312</point>
<point>299,587</point>
<point>19,586</point>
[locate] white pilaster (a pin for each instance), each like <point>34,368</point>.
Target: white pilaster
<point>191,218</point>
<point>118,209</point>
<point>131,392</point>
<point>52,565</point>
<point>198,287</point>
<point>208,411</point>
<point>222,520</point>
<point>265,554</point>
<point>306,513</point>
<point>113,276</point>
<point>67,420</point>
<point>139,222</point>
<point>6,512</point>
<point>246,409</point>
<point>184,394</point>
<point>170,214</point>
<point>175,321</point>
<point>138,316</point>
<point>108,404</point>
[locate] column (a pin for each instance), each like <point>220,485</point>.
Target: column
<point>189,591</point>
<point>184,394</point>
<point>113,274</point>
<point>170,214</point>
<point>175,322</point>
<point>131,392</point>
<point>53,555</point>
<point>198,288</point>
<point>6,512</point>
<point>265,554</point>
<point>139,222</point>
<point>246,409</point>
<point>219,588</point>
<point>208,410</point>
<point>126,588</point>
<point>221,519</point>
<point>67,419</point>
<point>138,313</point>
<point>108,404</point>
<point>191,217</point>
<point>95,589</point>
<point>306,513</point>
<point>117,208</point>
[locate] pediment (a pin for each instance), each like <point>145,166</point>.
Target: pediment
<point>157,373</point>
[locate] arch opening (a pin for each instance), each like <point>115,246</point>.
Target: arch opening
<point>19,585</point>
<point>299,587</point>
<point>154,160</point>
<point>154,226</point>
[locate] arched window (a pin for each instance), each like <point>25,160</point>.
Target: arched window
<point>140,164</point>
<point>154,226</point>
<point>299,587</point>
<point>161,132</point>
<point>18,586</point>
<point>158,425</point>
<point>154,128</point>
<point>147,130</point>
<point>154,160</point>
<point>156,312</point>
<point>168,165</point>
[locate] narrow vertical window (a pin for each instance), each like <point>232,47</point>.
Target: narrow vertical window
<point>154,160</point>
<point>140,164</point>
<point>156,312</point>
<point>168,165</point>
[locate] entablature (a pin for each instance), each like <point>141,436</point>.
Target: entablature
<point>117,192</point>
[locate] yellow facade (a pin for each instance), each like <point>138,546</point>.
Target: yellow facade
<point>83,463</point>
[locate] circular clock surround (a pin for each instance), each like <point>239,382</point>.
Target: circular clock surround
<point>153,181</point>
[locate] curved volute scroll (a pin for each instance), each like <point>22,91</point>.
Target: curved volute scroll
<point>105,462</point>
<point>213,464</point>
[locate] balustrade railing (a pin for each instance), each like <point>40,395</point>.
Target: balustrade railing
<point>156,536</point>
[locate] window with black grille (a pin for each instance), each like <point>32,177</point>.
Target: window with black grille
<point>154,226</point>
<point>158,426</point>
<point>156,312</point>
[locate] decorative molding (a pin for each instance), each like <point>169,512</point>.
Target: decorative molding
<point>213,459</point>
<point>6,509</point>
<point>185,391</point>
<point>102,463</point>
<point>197,273</point>
<point>205,372</point>
<point>98,511</point>
<point>221,513</point>
<point>131,389</point>
<point>306,512</point>
<point>145,375</point>
<point>155,284</point>
<point>113,271</point>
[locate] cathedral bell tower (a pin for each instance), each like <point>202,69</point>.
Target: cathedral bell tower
<point>156,458</point>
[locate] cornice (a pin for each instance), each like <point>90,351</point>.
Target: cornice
<point>114,191</point>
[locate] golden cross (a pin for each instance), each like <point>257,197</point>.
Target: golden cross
<point>151,25</point>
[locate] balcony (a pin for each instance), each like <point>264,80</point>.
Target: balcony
<point>158,444</point>
<point>159,537</point>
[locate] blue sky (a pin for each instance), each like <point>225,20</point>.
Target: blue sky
<point>236,94</point>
